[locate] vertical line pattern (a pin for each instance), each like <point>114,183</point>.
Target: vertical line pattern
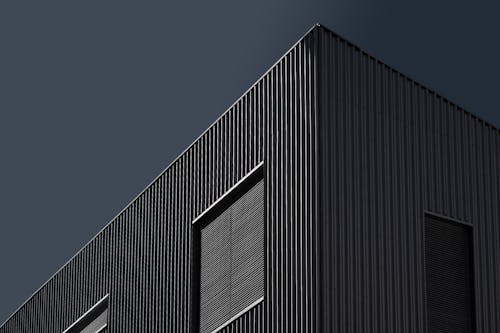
<point>354,154</point>
<point>390,150</point>
<point>142,258</point>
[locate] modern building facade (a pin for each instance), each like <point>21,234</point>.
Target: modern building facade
<point>336,195</point>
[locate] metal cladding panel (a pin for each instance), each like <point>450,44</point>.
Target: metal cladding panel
<point>354,155</point>
<point>390,151</point>
<point>251,322</point>
<point>143,257</point>
<point>292,191</point>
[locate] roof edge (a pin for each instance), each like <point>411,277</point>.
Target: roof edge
<point>421,85</point>
<point>315,26</point>
<point>309,31</point>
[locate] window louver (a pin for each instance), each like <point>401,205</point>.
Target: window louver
<point>232,260</point>
<point>449,270</point>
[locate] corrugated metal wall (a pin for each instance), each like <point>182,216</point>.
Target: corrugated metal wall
<point>290,161</point>
<point>142,258</point>
<point>251,321</point>
<point>354,154</point>
<point>390,151</point>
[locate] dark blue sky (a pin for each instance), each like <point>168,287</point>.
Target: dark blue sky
<point>98,97</point>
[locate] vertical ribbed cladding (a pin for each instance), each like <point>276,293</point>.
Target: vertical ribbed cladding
<point>252,321</point>
<point>46,310</point>
<point>290,170</point>
<point>391,150</point>
<point>142,258</point>
<point>354,155</point>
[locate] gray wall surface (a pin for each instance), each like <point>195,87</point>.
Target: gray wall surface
<point>96,98</point>
<point>142,259</point>
<point>354,155</point>
<point>390,151</point>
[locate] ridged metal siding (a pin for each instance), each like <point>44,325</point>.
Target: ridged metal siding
<point>354,154</point>
<point>251,321</point>
<point>142,258</point>
<point>290,161</point>
<point>390,150</point>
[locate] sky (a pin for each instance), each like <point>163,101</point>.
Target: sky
<point>98,97</point>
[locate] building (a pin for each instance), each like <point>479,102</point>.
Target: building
<point>336,195</point>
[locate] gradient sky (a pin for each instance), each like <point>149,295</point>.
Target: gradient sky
<point>98,97</point>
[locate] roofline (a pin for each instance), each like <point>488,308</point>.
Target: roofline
<point>421,85</point>
<point>316,25</point>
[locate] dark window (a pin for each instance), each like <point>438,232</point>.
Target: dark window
<point>232,259</point>
<point>449,270</point>
<point>93,321</point>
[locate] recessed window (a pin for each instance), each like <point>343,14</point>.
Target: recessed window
<point>449,275</point>
<point>94,320</point>
<point>231,258</point>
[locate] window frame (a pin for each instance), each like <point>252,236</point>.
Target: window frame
<point>448,219</point>
<point>202,220</point>
<point>90,315</point>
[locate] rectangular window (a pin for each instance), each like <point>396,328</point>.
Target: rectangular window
<point>449,274</point>
<point>231,257</point>
<point>95,320</point>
